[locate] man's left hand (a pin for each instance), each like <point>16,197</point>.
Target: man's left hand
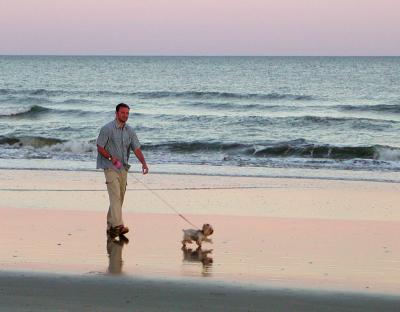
<point>145,169</point>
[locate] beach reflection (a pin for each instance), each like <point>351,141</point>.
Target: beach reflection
<point>114,250</point>
<point>199,256</point>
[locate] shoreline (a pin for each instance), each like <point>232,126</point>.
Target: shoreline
<point>334,174</point>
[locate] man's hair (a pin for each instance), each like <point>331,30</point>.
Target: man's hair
<point>121,105</point>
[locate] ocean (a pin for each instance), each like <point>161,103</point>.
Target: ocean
<point>266,116</point>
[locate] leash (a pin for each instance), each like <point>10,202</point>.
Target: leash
<point>165,202</point>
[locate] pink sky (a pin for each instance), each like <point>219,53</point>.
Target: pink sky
<point>200,27</point>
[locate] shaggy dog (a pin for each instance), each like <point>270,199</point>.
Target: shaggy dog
<point>198,236</point>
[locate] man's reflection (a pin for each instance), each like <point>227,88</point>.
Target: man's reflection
<point>199,255</point>
<point>114,250</point>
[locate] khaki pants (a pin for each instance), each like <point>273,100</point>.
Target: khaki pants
<point>116,187</point>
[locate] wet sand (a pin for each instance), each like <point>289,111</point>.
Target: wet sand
<point>292,243</point>
<point>43,292</point>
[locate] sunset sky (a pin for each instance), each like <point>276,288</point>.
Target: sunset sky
<point>206,27</point>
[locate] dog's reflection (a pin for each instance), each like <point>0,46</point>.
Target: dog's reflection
<point>114,250</point>
<point>199,255</point>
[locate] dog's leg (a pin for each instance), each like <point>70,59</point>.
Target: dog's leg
<point>186,241</point>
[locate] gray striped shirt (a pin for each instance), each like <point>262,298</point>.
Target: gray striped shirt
<point>118,142</point>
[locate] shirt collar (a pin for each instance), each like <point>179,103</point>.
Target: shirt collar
<point>118,125</point>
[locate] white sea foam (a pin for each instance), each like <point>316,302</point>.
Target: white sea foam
<point>13,111</point>
<point>76,147</point>
<point>388,154</point>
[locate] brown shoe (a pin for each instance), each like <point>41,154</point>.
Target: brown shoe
<point>123,229</point>
<point>123,239</point>
<point>120,230</point>
<point>117,231</point>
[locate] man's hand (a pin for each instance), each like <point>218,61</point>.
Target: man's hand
<point>114,160</point>
<point>138,153</point>
<point>145,169</point>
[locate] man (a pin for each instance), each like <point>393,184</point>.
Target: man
<point>115,141</point>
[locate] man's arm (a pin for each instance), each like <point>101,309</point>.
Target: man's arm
<point>139,155</point>
<point>106,154</point>
<point>102,140</point>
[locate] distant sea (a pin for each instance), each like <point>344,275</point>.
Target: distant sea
<point>267,116</point>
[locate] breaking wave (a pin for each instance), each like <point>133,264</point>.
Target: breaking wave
<point>32,141</point>
<point>37,110</point>
<point>296,148</point>
<point>24,111</point>
<point>298,152</point>
<point>49,144</point>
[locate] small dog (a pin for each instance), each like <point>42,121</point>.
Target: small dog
<point>197,235</point>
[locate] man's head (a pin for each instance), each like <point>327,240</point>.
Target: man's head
<point>122,112</point>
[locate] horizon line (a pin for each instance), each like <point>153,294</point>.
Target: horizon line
<point>207,55</point>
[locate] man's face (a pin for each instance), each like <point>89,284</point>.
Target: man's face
<point>122,115</point>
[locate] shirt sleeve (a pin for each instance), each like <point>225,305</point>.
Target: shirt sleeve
<point>104,135</point>
<point>134,140</point>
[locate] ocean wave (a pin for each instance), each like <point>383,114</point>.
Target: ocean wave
<point>332,122</point>
<point>25,100</point>
<point>356,123</point>
<point>78,147</point>
<point>33,92</point>
<point>289,121</point>
<point>394,108</point>
<point>49,144</point>
<point>336,120</point>
<point>227,151</point>
<point>297,148</point>
<point>196,146</point>
<point>24,111</point>
<point>77,101</point>
<point>30,141</point>
<point>239,106</point>
<point>316,151</point>
<point>44,92</point>
<point>162,94</point>
<point>304,149</point>
<point>202,95</point>
<point>37,110</point>
<point>388,153</point>
<point>223,95</point>
<point>7,91</point>
<point>384,108</point>
<point>42,100</point>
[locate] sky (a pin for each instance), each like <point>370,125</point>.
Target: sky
<point>200,27</point>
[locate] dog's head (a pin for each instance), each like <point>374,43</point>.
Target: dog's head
<point>207,229</point>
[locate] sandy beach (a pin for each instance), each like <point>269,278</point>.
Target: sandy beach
<point>291,244</point>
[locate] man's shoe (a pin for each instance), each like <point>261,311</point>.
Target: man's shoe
<point>117,230</point>
<point>123,239</point>
<point>123,229</point>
